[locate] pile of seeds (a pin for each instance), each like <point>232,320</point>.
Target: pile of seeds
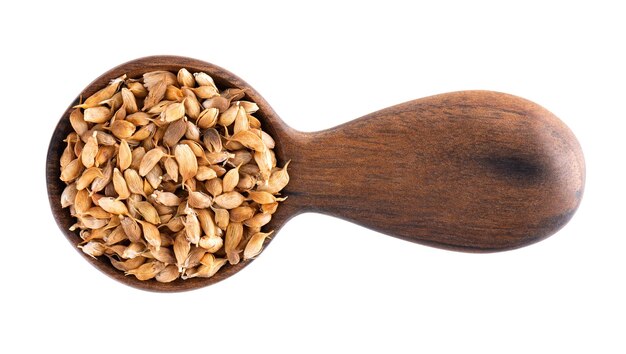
<point>170,177</point>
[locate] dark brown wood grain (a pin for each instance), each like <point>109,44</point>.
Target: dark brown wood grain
<point>473,171</point>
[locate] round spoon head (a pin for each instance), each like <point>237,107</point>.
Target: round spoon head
<point>135,69</point>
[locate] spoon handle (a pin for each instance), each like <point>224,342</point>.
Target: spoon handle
<point>474,171</point>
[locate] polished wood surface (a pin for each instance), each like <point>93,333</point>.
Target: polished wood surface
<point>473,171</point>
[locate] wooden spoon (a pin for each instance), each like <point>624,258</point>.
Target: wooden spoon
<point>474,171</point>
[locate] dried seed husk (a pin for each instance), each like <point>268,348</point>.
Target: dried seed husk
<point>254,122</point>
<point>219,102</point>
<point>213,186</point>
<point>104,155</point>
<point>82,201</point>
<point>98,114</point>
<point>134,181</point>
<point>195,255</point>
<point>263,160</point>
<point>230,180</point>
<point>207,118</point>
<point>233,94</point>
<point>241,121</point>
<point>87,177</point>
<point>151,234</point>
<point>154,178</point>
<point>102,95</point>
<point>131,228</point>
<point>241,157</point>
<point>91,222</point>
<point>277,181</point>
<point>149,160</point>
<point>139,119</point>
<point>137,155</point>
<point>173,93</point>
<point>124,155</point>
<point>199,200</point>
<point>175,224</point>
<point>262,197</point>
<point>205,173</point>
<point>212,140</point>
<point>204,92</point>
<point>67,156</point>
<point>192,132</point>
<point>250,169</point>
<point>127,265</point>
<point>211,244</point>
<point>181,249</point>
<point>166,198</point>
<point>147,187</point>
<point>147,211</point>
<point>173,112</point>
<point>135,249</point>
<point>155,94</point>
<point>116,236</point>
<point>168,274</point>
<point>266,138</point>
<point>222,218</point>
<point>144,133</point>
<point>114,103</point>
<point>259,220</point>
<point>122,129</point>
<point>269,208</point>
<point>234,233</point>
<point>129,101</point>
<point>119,114</point>
<point>93,248</point>
<point>174,132</point>
<point>214,158</point>
<point>185,78</point>
<point>192,228</point>
<point>204,79</point>
<point>119,183</point>
<point>241,214</point>
<point>229,200</point>
<point>89,151</point>
<point>147,271</point>
<point>255,244</point>
<point>192,105</point>
<point>159,108</point>
<point>227,117</point>
<point>104,138</point>
<point>163,254</point>
<point>250,140</point>
<point>78,148</point>
<point>204,271</point>
<point>153,78</point>
<point>98,213</point>
<point>187,163</point>
<point>246,182</point>
<point>77,121</point>
<point>68,195</point>
<point>113,206</point>
<point>205,217</point>
<point>171,167</point>
<point>249,107</point>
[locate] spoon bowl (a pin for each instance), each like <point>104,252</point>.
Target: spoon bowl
<point>474,171</point>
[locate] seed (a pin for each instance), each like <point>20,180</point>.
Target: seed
<point>93,248</point>
<point>258,221</point>
<point>199,200</point>
<point>255,244</point>
<point>127,265</point>
<point>229,200</point>
<point>168,274</point>
<point>187,163</point>
<point>166,198</point>
<point>122,129</point>
<point>181,249</point>
<point>234,233</point>
<point>231,179</point>
<point>113,206</point>
<point>88,154</point>
<point>185,78</point>
<point>87,177</point>
<point>174,132</point>
<point>97,114</point>
<point>149,160</point>
<point>131,228</point>
<point>147,270</point>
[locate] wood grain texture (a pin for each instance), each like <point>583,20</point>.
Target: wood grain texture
<point>472,171</point>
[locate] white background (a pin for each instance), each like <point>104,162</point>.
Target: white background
<point>325,285</point>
